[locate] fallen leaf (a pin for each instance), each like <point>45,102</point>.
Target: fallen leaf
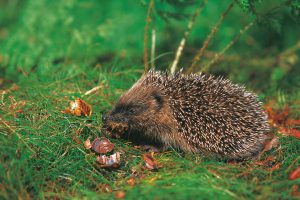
<point>87,143</point>
<point>281,120</point>
<point>104,188</point>
<point>269,162</point>
<point>120,194</point>
<point>295,133</point>
<point>102,145</point>
<point>111,161</point>
<point>275,167</point>
<point>150,162</point>
<point>78,108</point>
<point>76,139</point>
<point>274,142</point>
<point>295,174</point>
<point>131,181</point>
<point>294,191</point>
<point>289,132</point>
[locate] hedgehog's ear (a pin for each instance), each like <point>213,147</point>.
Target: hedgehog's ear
<point>158,100</point>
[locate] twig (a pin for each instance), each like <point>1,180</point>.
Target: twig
<point>9,127</point>
<point>213,31</point>
<point>217,56</point>
<point>19,136</point>
<point>153,39</point>
<point>93,90</point>
<point>148,20</point>
<point>185,36</point>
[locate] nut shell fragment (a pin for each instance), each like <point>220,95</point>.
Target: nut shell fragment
<point>102,145</point>
<point>111,161</point>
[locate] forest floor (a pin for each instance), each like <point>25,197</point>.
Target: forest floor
<point>43,153</point>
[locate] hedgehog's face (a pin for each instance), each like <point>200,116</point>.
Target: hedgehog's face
<point>135,113</point>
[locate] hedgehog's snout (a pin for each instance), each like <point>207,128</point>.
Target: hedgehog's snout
<point>117,118</point>
<point>114,124</point>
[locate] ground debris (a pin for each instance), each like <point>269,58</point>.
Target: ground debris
<point>102,145</point>
<point>112,161</point>
<point>120,194</point>
<point>150,162</point>
<point>295,174</point>
<point>78,108</point>
<point>282,121</point>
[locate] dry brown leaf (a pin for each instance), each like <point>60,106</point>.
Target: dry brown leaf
<point>104,188</point>
<point>274,142</point>
<point>102,145</point>
<point>295,191</point>
<point>120,194</point>
<point>78,108</point>
<point>131,181</point>
<point>76,139</point>
<point>295,174</point>
<point>150,162</point>
<point>270,162</point>
<point>87,143</point>
<point>280,119</point>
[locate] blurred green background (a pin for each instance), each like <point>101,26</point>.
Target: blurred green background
<point>44,37</point>
<point>54,51</point>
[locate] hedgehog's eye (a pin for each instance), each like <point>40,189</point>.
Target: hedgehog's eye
<point>135,110</point>
<point>132,111</point>
<point>158,99</point>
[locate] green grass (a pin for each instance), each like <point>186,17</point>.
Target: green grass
<point>40,156</point>
<point>84,44</point>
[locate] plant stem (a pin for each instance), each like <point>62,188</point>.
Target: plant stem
<point>212,33</point>
<point>185,36</point>
<point>148,20</point>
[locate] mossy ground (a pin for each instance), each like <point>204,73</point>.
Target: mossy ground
<point>54,52</point>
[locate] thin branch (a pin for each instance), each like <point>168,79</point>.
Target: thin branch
<point>153,40</point>
<point>148,20</point>
<point>212,33</point>
<point>217,56</point>
<point>185,36</point>
<point>94,89</point>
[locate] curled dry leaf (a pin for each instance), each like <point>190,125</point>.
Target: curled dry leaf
<point>274,142</point>
<point>295,191</point>
<point>150,162</point>
<point>111,161</point>
<point>78,108</point>
<point>131,181</point>
<point>289,131</point>
<point>282,120</point>
<point>104,188</point>
<point>270,163</point>
<point>87,143</point>
<point>120,194</point>
<point>295,174</point>
<point>102,145</point>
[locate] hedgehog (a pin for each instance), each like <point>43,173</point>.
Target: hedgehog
<point>197,113</point>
